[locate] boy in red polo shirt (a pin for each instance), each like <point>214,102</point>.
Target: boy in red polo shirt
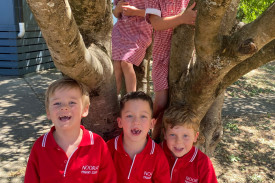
<point>137,158</point>
<point>187,162</point>
<point>69,152</point>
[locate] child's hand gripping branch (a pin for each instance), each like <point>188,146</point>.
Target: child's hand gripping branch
<point>163,23</point>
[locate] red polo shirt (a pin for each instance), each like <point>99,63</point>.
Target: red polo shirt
<point>150,165</point>
<point>90,162</point>
<point>193,167</point>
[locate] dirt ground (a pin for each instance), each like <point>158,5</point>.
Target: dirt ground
<point>246,152</point>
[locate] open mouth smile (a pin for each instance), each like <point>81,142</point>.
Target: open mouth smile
<point>178,149</point>
<point>135,131</point>
<point>64,118</point>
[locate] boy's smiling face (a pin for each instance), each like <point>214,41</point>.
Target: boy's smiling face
<point>136,120</point>
<point>66,108</point>
<point>180,139</point>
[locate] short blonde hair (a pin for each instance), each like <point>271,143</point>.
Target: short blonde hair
<point>182,116</point>
<point>178,115</point>
<point>67,83</point>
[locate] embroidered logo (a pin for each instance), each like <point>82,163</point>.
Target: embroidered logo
<point>147,175</point>
<point>190,179</point>
<point>89,169</point>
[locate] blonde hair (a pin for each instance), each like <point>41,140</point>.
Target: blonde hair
<point>181,116</point>
<point>67,83</point>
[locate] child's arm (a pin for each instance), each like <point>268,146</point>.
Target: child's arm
<point>31,175</point>
<point>133,11</point>
<point>162,171</point>
<point>163,23</point>
<point>207,172</point>
<point>118,9</point>
<point>107,171</point>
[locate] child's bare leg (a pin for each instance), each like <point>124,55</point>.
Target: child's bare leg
<point>129,76</point>
<point>118,75</point>
<point>160,103</point>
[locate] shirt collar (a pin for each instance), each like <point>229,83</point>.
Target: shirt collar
<point>148,149</point>
<point>49,141</point>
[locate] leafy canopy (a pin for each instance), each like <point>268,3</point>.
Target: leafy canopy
<point>249,10</point>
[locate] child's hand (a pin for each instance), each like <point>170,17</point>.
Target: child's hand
<point>189,15</point>
<point>119,6</point>
<point>129,10</point>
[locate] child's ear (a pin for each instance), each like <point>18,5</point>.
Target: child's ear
<point>196,136</point>
<point>85,111</point>
<point>48,114</point>
<point>153,122</point>
<point>119,123</point>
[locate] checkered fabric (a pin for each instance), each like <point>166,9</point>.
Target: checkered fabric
<point>131,36</point>
<point>162,39</point>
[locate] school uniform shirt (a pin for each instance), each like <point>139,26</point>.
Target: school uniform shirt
<point>90,162</point>
<point>193,167</point>
<point>131,36</point>
<point>150,165</point>
<point>162,38</point>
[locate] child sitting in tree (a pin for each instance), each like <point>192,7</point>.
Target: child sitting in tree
<point>131,36</point>
<point>187,163</point>
<point>69,152</point>
<point>136,156</point>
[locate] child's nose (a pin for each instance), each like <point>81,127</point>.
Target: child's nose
<point>136,120</point>
<point>178,140</point>
<point>64,107</point>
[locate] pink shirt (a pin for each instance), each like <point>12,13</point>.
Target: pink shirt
<point>193,167</point>
<point>90,162</point>
<point>131,36</point>
<point>150,165</point>
<point>162,38</point>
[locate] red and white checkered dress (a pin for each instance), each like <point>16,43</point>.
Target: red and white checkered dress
<point>162,38</point>
<point>131,36</point>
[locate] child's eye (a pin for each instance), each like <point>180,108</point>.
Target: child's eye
<point>143,116</point>
<point>57,103</point>
<point>72,103</point>
<point>185,136</point>
<point>172,135</point>
<point>129,116</point>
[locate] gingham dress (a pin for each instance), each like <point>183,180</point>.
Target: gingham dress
<point>162,39</point>
<point>131,36</point>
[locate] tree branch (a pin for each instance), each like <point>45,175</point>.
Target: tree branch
<point>209,18</point>
<point>251,37</point>
<point>66,45</point>
<point>265,55</point>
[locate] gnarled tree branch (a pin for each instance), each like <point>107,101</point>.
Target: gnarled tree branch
<point>265,55</point>
<point>66,44</point>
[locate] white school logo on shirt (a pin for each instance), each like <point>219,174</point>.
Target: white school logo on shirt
<point>190,179</point>
<point>89,169</point>
<point>147,175</point>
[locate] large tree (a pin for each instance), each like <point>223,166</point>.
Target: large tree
<point>205,60</point>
